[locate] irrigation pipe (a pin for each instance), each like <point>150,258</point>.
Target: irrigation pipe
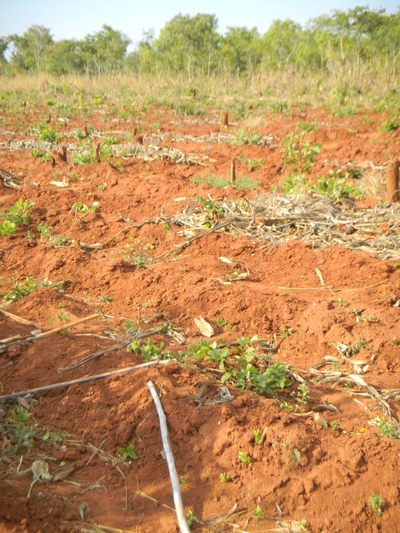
<point>176,489</point>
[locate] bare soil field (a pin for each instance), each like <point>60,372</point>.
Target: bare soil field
<point>281,404</point>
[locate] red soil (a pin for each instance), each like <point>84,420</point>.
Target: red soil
<point>337,470</point>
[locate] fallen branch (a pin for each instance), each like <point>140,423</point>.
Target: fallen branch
<point>31,338</point>
<point>96,355</point>
<point>53,386</point>
<point>176,490</point>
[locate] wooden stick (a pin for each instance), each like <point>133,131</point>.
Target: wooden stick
<point>176,490</point>
<point>56,330</point>
<point>16,318</point>
<point>53,386</point>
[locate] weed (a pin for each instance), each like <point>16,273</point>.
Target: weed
<point>279,107</point>
<point>395,341</point>
<point>48,133</point>
<point>79,207</point>
<point>356,347</point>
<point>248,137</point>
<point>128,453</point>
<point>190,517</point>
<point>245,458</point>
<point>252,164</point>
<point>388,428</point>
<point>149,351</point>
<point>391,124</point>
<point>258,512</point>
<point>214,180</point>
<point>285,333</point>
<point>307,126</point>
<point>214,211</point>
<point>22,434</point>
<point>340,300</point>
<point>257,436</point>
<point>337,186</point>
<point>301,524</point>
<point>17,215</point>
<point>224,477</point>
<point>105,297</point>
<point>84,157</point>
<point>363,317</point>
<point>21,289</point>
<point>376,503</point>
<point>45,157</point>
<point>298,154</point>
<point>139,254</point>
<point>222,322</point>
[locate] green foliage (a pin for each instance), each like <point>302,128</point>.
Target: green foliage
<point>337,186</point>
<point>388,428</point>
<point>128,453</point>
<point>214,180</point>
<point>22,433</point>
<point>245,458</point>
<point>149,350</point>
<point>21,289</point>
<point>17,214</point>
<point>139,253</point>
<point>355,348</point>
<point>48,133</point>
<point>248,137</point>
<point>298,154</point>
<point>391,124</point>
<point>376,502</point>
<point>85,156</point>
<point>44,157</point>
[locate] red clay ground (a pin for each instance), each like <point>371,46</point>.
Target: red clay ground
<point>307,473</point>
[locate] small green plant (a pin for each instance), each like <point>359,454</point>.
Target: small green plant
<point>85,156</point>
<point>388,428</point>
<point>22,433</point>
<point>149,350</point>
<point>245,458</point>
<point>355,348</point>
<point>48,133</point>
<point>128,453</point>
<point>340,300</point>
<point>395,341</point>
<point>279,107</point>
<point>139,254</point>
<point>301,524</point>
<point>21,289</point>
<point>17,214</point>
<point>257,436</point>
<point>376,503</point>
<point>79,207</point>
<point>190,517</point>
<point>252,164</point>
<point>45,157</point>
<point>248,137</point>
<point>213,209</point>
<point>391,124</point>
<point>258,512</point>
<point>285,333</point>
<point>224,477</point>
<point>337,186</point>
<point>298,154</point>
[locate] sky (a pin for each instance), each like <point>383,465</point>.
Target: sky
<point>73,19</point>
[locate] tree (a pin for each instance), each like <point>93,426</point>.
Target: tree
<point>105,50</point>
<point>29,49</point>
<point>241,49</point>
<point>65,57</point>
<point>188,43</point>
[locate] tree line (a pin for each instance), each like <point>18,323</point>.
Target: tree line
<point>193,45</point>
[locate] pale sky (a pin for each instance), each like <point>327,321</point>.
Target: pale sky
<point>69,19</point>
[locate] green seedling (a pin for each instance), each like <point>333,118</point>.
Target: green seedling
<point>356,347</point>
<point>257,436</point>
<point>48,133</point>
<point>388,428</point>
<point>248,137</point>
<point>395,341</point>
<point>258,512</point>
<point>17,214</point>
<point>128,453</point>
<point>190,517</point>
<point>139,254</point>
<point>298,154</point>
<point>376,503</point>
<point>224,477</point>
<point>245,458</point>
<point>285,333</point>
<point>340,300</point>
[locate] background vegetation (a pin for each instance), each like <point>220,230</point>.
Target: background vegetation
<point>342,59</point>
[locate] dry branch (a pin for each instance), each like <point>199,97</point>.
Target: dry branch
<point>53,386</point>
